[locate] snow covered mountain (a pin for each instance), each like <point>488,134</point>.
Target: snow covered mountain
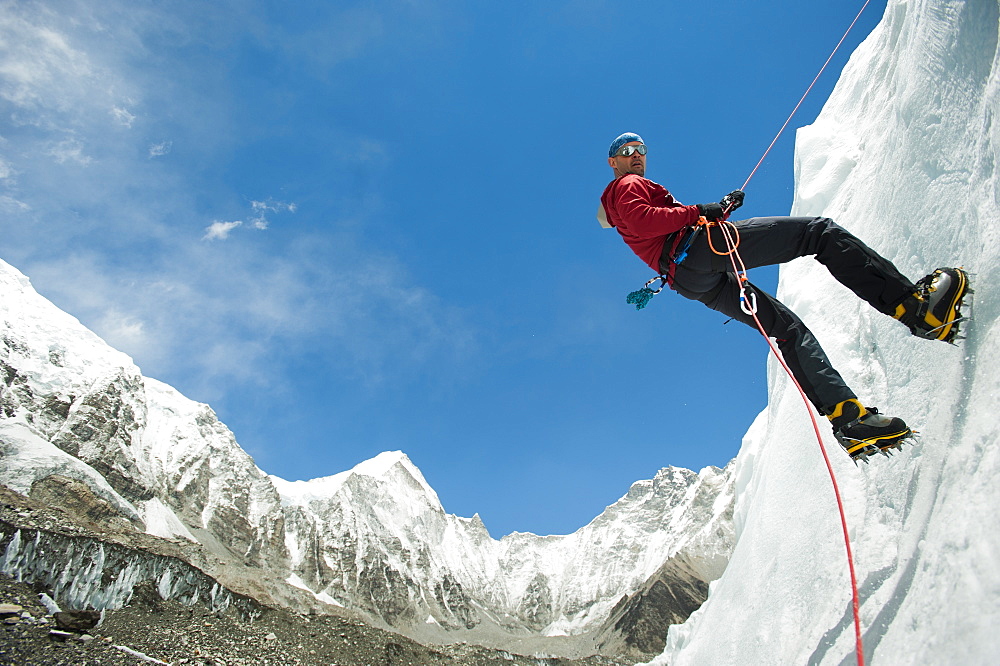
<point>454,576</point>
<point>905,154</point>
<point>78,418</point>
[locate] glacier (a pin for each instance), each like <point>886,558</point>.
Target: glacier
<point>904,154</point>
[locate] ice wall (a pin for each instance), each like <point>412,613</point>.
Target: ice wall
<point>904,154</point>
<point>87,573</point>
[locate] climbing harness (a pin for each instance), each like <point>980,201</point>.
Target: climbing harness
<point>749,305</point>
<point>731,234</point>
<point>641,297</point>
<point>685,245</point>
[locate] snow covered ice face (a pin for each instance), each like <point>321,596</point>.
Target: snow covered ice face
<point>634,163</point>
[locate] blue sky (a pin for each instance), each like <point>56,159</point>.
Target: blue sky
<point>359,227</point>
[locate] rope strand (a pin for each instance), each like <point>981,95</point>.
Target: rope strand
<point>731,235</point>
<point>855,603</point>
<point>804,95</point>
<point>741,271</point>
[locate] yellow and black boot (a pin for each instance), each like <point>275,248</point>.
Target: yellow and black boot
<point>862,431</point>
<point>933,311</point>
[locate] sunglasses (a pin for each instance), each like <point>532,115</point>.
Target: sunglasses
<point>626,151</point>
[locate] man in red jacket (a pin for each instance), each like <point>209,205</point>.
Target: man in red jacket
<point>664,233</point>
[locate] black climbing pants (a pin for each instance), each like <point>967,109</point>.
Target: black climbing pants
<point>707,277</point>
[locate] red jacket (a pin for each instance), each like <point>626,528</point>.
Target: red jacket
<point>645,214</point>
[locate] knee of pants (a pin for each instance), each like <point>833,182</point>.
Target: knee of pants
<point>820,229</point>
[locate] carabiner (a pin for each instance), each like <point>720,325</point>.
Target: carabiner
<point>752,300</point>
<point>663,283</point>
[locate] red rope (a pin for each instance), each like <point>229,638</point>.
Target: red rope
<point>804,95</point>
<point>733,256</point>
<point>856,604</point>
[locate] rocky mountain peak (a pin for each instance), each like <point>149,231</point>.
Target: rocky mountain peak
<point>81,426</point>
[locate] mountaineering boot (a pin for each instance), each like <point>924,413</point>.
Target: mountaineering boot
<point>863,431</point>
<point>933,310</point>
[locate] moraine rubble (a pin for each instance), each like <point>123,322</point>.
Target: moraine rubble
<point>194,626</point>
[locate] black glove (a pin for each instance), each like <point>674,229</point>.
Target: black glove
<point>732,201</point>
<point>710,211</point>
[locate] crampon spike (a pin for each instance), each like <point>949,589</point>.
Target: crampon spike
<point>897,446</point>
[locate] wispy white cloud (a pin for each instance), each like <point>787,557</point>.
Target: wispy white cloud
<point>126,330</point>
<point>123,116</point>
<point>41,70</point>
<point>123,243</point>
<point>9,204</point>
<point>69,150</point>
<point>220,230</point>
<point>262,208</point>
<point>160,149</point>
<point>243,317</point>
<point>259,211</point>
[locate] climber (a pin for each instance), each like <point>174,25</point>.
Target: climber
<point>664,233</point>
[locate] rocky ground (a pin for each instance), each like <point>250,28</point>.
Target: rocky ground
<point>152,630</point>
